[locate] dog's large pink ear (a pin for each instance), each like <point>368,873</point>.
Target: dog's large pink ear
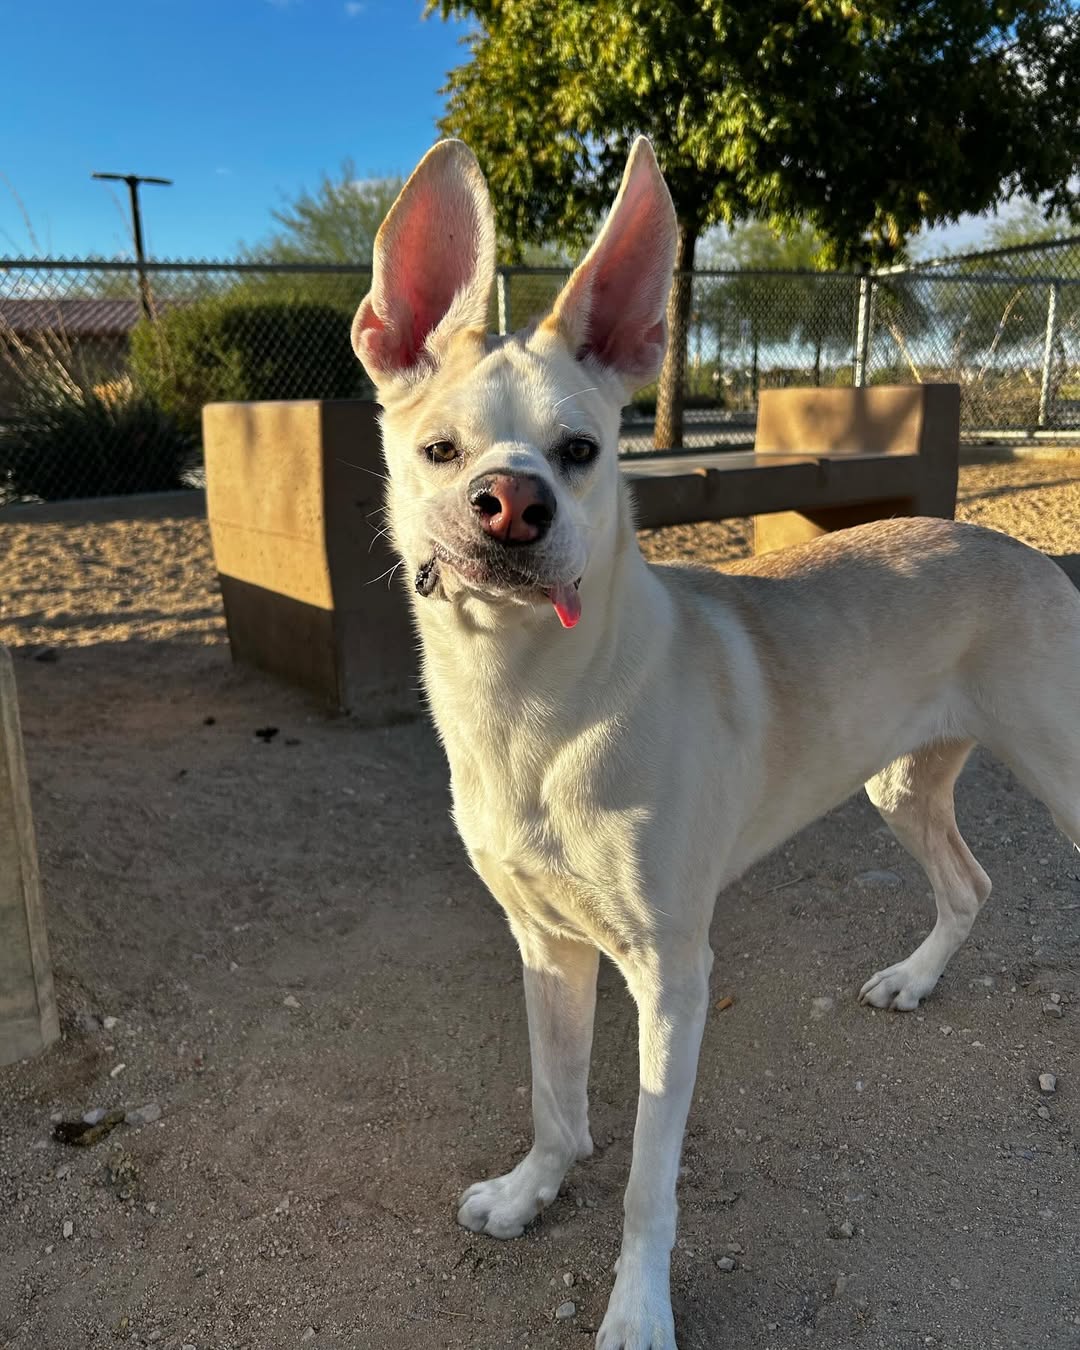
<point>613,307</point>
<point>433,266</point>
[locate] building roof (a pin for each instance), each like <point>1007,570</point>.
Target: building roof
<point>97,316</point>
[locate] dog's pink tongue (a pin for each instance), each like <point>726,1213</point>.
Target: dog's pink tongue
<point>567,603</point>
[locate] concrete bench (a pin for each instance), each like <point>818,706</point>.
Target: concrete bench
<point>294,497</point>
<point>295,493</point>
<point>823,459</point>
<point>28,1020</point>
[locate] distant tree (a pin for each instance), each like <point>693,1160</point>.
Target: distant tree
<point>867,121</point>
<point>336,223</point>
<point>810,309</point>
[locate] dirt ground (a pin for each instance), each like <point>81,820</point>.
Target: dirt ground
<point>310,983</point>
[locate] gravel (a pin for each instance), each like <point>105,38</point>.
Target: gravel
<point>186,903</point>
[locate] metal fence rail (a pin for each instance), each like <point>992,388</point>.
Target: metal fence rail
<point>97,399</point>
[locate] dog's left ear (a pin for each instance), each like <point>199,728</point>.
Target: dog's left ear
<point>613,307</point>
<point>432,270</point>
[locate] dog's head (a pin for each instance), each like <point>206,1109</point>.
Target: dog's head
<point>504,483</point>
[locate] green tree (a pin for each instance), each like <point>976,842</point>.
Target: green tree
<point>868,121</point>
<point>336,223</point>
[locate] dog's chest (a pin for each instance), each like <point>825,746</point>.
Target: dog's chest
<point>550,852</point>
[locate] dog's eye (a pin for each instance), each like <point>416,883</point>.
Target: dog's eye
<point>441,452</point>
<point>580,450</point>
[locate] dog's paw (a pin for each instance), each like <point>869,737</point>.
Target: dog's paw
<point>503,1206</point>
<point>638,1315</point>
<point>902,987</point>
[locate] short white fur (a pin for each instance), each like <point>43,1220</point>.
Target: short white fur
<point>610,780</point>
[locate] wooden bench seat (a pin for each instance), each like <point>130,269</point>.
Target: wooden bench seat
<point>824,459</point>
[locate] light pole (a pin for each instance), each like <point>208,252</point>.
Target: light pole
<point>133,180</point>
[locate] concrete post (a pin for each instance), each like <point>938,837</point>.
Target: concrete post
<point>28,1021</point>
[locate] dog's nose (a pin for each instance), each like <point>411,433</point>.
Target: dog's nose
<point>514,508</point>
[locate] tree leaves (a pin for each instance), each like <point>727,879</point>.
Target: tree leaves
<point>869,121</point>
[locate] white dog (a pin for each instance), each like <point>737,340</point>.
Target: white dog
<point>623,739</point>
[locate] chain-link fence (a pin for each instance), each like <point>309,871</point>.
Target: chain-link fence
<point>1003,324</point>
<point>102,378</point>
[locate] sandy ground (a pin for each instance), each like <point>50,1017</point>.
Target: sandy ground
<point>318,994</point>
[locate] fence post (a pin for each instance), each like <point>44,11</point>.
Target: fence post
<point>502,293</point>
<point>1048,352</point>
<point>862,329</point>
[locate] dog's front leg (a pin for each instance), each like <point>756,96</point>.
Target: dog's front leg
<point>560,997</point>
<point>672,995</point>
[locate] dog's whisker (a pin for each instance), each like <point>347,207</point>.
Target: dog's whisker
<point>383,477</point>
<point>388,573</point>
<point>592,389</point>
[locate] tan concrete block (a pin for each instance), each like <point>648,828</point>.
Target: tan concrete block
<point>294,492</point>
<point>919,424</point>
<point>28,1020</point>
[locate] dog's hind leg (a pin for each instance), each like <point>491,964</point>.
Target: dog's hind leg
<point>915,798</point>
<point>560,996</point>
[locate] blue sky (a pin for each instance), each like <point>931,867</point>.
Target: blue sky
<point>240,102</point>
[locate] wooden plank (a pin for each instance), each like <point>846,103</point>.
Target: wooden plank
<point>28,1019</point>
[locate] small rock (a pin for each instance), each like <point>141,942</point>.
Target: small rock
<point>117,1070</point>
<point>187,1346</point>
<point>1053,1010</point>
<point>844,1231</point>
<point>309,1334</point>
<point>945,1031</point>
<point>568,1279</point>
<point>62,1173</point>
<point>290,1002</point>
<point>49,1249</point>
<point>69,1228</point>
<point>956,1282</point>
<point>878,877</point>
<point>143,1115</point>
<point>92,1117</point>
<point>1055,998</point>
<point>89,1022</point>
<point>733,1248</point>
<point>839,1285</point>
<point>821,1007</point>
<point>1043,1113</point>
<point>1047,1082</point>
<point>725,1263</point>
<point>565,1310</point>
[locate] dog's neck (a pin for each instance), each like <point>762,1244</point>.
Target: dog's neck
<point>484,666</point>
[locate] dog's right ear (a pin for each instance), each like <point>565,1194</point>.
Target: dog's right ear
<point>432,270</point>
